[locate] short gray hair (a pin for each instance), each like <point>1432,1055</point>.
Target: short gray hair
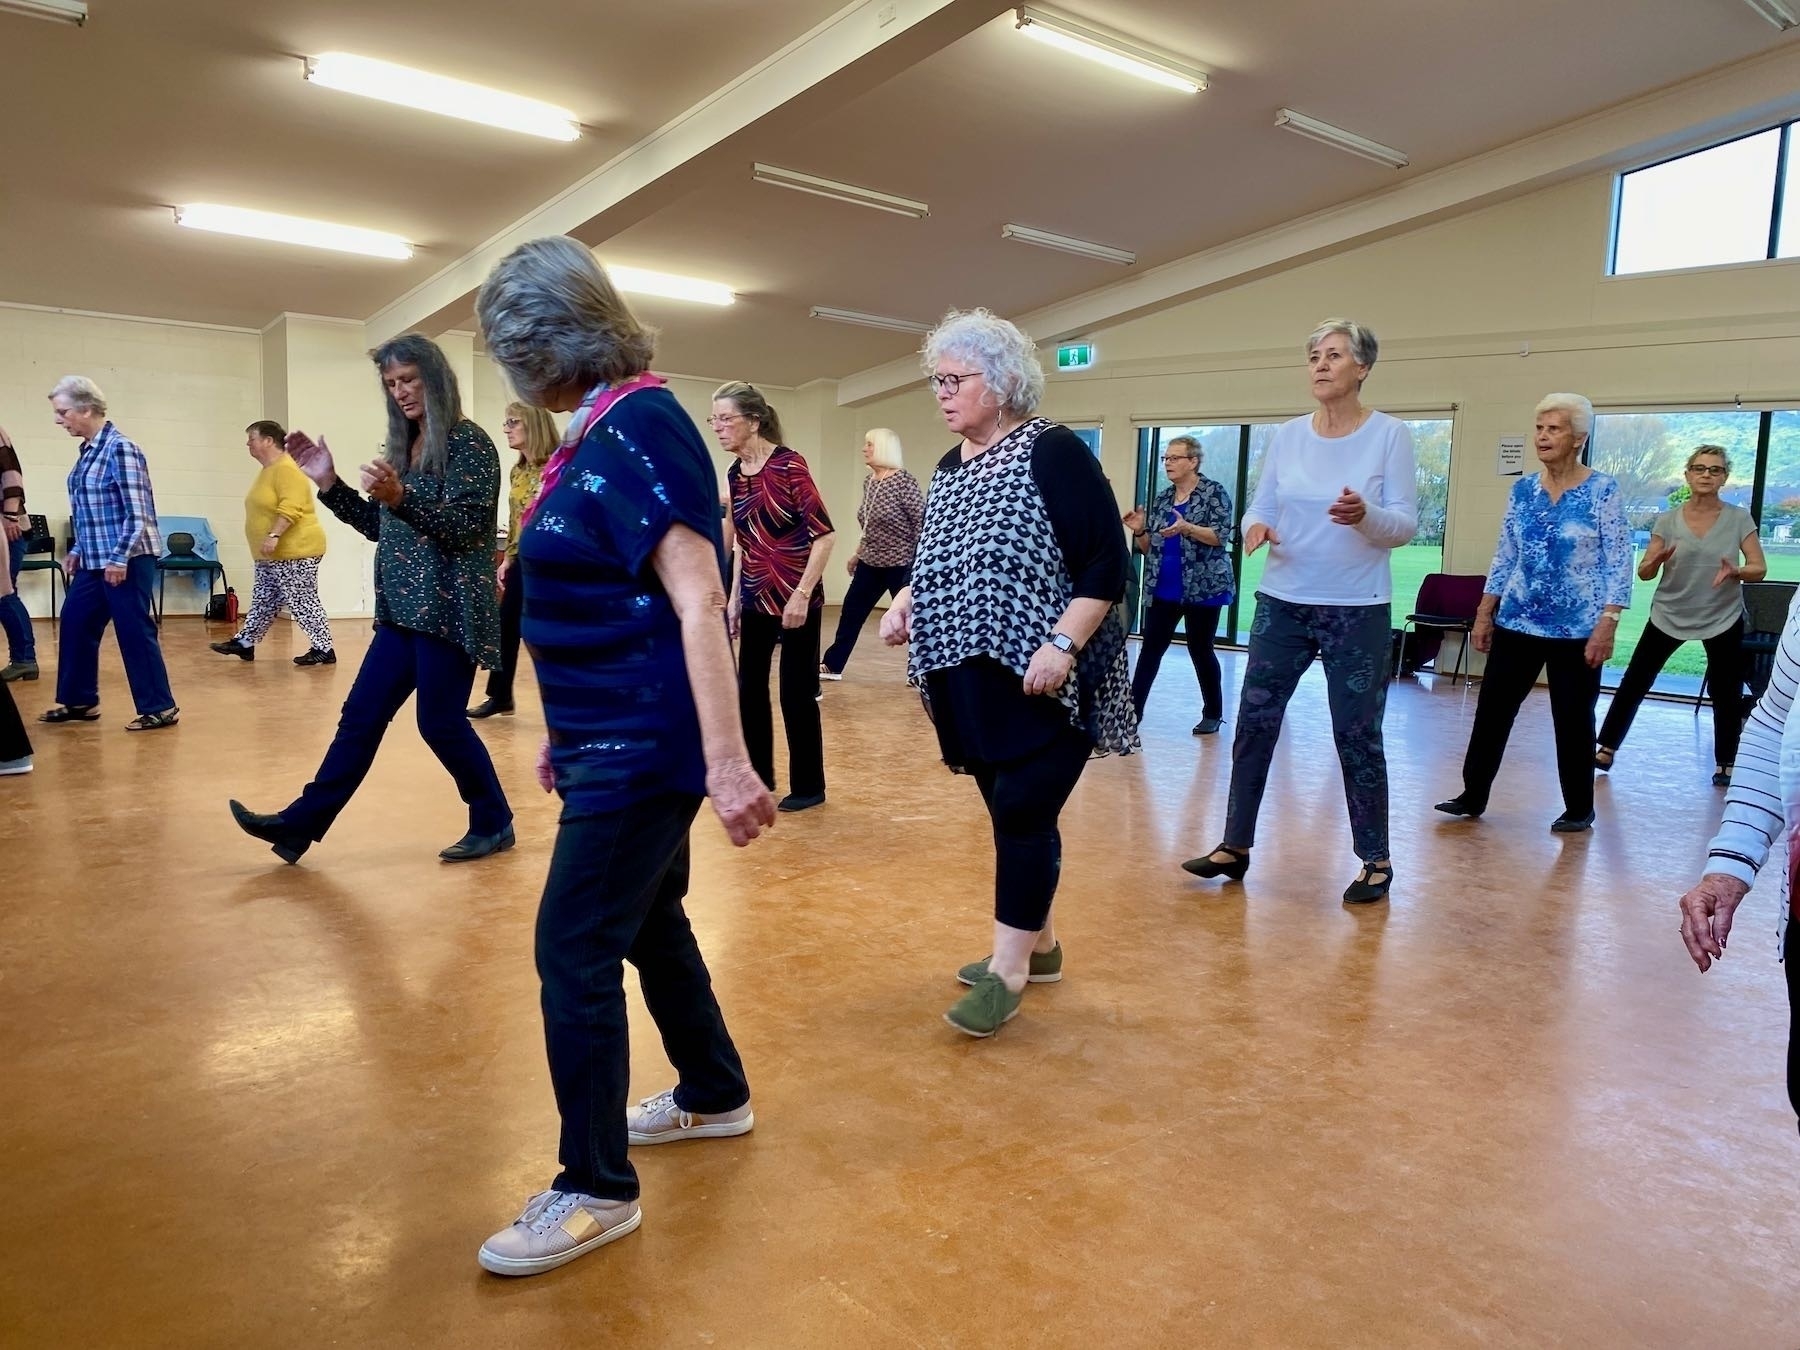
<point>1005,356</point>
<point>887,448</point>
<point>550,317</point>
<point>1698,452</point>
<point>1363,346</point>
<point>1578,410</point>
<point>82,392</point>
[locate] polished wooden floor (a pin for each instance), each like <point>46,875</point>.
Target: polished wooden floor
<point>256,1105</point>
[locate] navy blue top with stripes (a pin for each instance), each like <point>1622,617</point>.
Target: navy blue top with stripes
<point>602,632</point>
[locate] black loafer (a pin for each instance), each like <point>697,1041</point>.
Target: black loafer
<point>490,708</point>
<point>1208,726</point>
<point>1456,806</point>
<point>795,802</point>
<point>1568,824</point>
<point>472,846</point>
<point>235,648</point>
<point>288,844</point>
<point>1206,867</point>
<point>314,657</point>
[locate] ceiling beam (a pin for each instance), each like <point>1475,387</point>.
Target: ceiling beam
<point>852,51</point>
<point>1714,107</point>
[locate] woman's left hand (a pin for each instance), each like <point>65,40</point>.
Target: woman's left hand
<point>795,611</point>
<point>381,482</point>
<point>1049,670</point>
<point>1180,528</point>
<point>1600,644</point>
<point>546,775</point>
<point>1348,509</point>
<point>1727,572</point>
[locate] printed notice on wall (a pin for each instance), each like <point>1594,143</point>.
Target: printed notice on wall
<point>1512,456</point>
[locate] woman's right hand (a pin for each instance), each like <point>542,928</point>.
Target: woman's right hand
<point>314,459</point>
<point>896,624</point>
<point>1706,914</point>
<point>850,566</point>
<point>744,805</point>
<point>1258,535</point>
<point>1658,553</point>
<point>1133,519</point>
<point>1481,637</point>
<point>734,612</point>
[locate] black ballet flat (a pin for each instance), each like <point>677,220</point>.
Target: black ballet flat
<point>1568,824</point>
<point>1207,868</point>
<point>1371,885</point>
<point>287,843</point>
<point>472,846</point>
<point>1459,806</point>
<point>1722,778</point>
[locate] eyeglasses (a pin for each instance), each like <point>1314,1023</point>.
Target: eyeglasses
<point>1169,459</point>
<point>951,381</point>
<point>726,420</point>
<point>512,422</point>
<point>1708,470</point>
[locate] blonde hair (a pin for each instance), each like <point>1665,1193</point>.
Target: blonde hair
<point>887,448</point>
<point>541,435</point>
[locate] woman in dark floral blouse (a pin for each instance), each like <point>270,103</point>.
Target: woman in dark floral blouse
<point>431,506</point>
<point>1187,573</point>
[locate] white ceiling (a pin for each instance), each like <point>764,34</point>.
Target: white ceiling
<point>202,100</point>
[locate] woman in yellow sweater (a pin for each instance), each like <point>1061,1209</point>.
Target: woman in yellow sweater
<point>287,542</point>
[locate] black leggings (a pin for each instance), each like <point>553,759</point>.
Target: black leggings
<point>1024,797</point>
<point>1724,678</point>
<point>866,585</point>
<point>1512,669</point>
<point>1792,962</point>
<point>1159,632</point>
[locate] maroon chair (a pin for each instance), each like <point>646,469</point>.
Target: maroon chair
<point>1446,604</point>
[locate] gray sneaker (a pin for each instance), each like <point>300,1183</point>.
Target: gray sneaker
<point>1045,968</point>
<point>658,1120</point>
<point>9,767</point>
<point>19,670</point>
<point>557,1227</point>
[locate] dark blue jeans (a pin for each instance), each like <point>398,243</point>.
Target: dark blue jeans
<point>614,895</point>
<point>399,663</point>
<point>21,642</point>
<point>91,605</point>
<point>866,585</point>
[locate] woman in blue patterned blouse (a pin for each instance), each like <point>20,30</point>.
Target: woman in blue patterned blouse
<point>1560,579</point>
<point>1187,571</point>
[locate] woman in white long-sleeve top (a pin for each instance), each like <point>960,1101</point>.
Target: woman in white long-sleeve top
<point>1762,810</point>
<point>1338,494</point>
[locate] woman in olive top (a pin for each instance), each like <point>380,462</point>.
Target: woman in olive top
<point>287,542</point>
<point>531,432</point>
<point>430,509</point>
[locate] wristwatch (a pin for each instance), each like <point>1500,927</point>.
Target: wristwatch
<point>1064,644</point>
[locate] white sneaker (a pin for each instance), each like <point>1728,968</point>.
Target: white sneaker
<point>658,1120</point>
<point>14,766</point>
<point>557,1227</point>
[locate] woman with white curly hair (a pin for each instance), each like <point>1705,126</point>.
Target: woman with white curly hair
<point>1016,643</point>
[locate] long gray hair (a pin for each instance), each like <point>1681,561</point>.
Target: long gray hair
<point>443,403</point>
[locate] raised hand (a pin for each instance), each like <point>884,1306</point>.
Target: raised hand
<point>1258,535</point>
<point>381,482</point>
<point>1659,552</point>
<point>313,457</point>
<point>1133,519</point>
<point>1348,509</point>
<point>1727,572</point>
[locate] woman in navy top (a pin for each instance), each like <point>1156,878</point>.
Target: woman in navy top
<point>1560,579</point>
<point>624,616</point>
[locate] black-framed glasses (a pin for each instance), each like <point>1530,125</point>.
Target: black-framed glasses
<point>1167,458</point>
<point>1709,470</point>
<point>950,381</point>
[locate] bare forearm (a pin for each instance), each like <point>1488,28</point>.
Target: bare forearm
<point>1082,618</point>
<point>816,558</point>
<point>713,678</point>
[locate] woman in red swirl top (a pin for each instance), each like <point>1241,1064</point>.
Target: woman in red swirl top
<point>783,540</point>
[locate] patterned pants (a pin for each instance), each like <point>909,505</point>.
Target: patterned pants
<point>295,583</point>
<point>1353,642</point>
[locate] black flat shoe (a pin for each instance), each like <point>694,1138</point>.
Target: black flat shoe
<point>795,802</point>
<point>490,708</point>
<point>1206,867</point>
<point>1568,824</point>
<point>472,846</point>
<point>1208,726</point>
<point>1722,778</point>
<point>1371,885</point>
<point>315,657</point>
<point>1457,806</point>
<point>235,648</point>
<point>1603,758</point>
<point>288,844</point>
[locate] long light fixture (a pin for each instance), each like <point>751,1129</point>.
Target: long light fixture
<point>1326,134</point>
<point>1775,12</point>
<point>641,281</point>
<point>57,11</point>
<point>862,320</point>
<point>291,230</point>
<point>793,179</point>
<point>1110,49</point>
<point>437,93</point>
<point>1064,244</point>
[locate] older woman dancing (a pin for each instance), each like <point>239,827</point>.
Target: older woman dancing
<point>530,433</point>
<point>891,516</point>
<point>1337,495</point>
<point>625,618</point>
<point>1561,577</point>
<point>1015,639</point>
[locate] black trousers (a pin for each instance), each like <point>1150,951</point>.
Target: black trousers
<point>1513,664</point>
<point>1792,964</point>
<point>512,605</point>
<point>1724,678</point>
<point>1024,797</point>
<point>1159,631</point>
<point>758,637</point>
<point>14,743</point>
<point>613,895</point>
<point>866,586</point>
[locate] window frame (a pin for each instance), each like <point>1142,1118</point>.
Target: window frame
<point>1777,205</point>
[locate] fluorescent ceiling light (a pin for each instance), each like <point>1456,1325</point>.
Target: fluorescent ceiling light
<point>868,320</point>
<point>1063,243</point>
<point>57,11</point>
<point>1775,12</point>
<point>638,281</point>
<point>436,93</point>
<point>292,230</point>
<point>1110,49</point>
<point>1326,134</point>
<point>838,192</point>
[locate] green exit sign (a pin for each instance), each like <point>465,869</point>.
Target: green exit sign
<point>1075,356</point>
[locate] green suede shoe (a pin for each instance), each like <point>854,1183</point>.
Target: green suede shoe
<point>1046,968</point>
<point>987,1006</point>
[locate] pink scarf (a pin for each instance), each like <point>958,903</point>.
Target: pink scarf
<point>592,409</point>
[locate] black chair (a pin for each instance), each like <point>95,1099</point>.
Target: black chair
<point>1766,605</point>
<point>182,558</point>
<point>1446,604</point>
<point>40,556</point>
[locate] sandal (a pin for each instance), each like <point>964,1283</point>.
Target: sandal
<point>1207,867</point>
<point>1371,884</point>
<point>71,712</point>
<point>1603,758</point>
<point>154,721</point>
